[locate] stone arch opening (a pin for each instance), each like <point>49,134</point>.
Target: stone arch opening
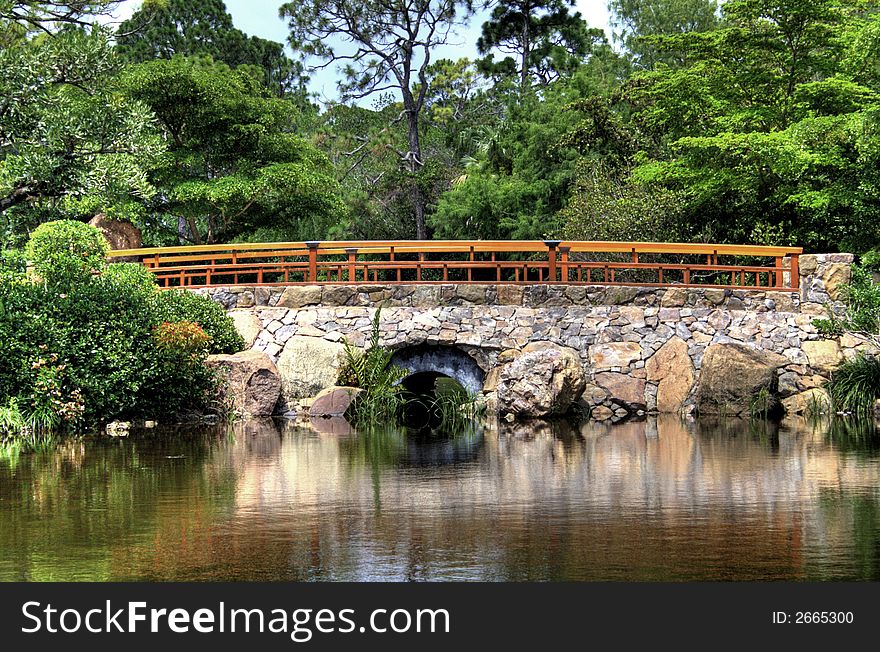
<point>427,363</point>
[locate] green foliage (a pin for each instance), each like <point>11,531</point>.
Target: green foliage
<point>855,385</point>
<point>109,345</point>
<point>235,163</point>
<point>204,28</point>
<point>183,305</point>
<point>637,20</point>
<point>70,141</point>
<point>862,299</point>
<point>545,38</point>
<point>65,253</point>
<point>765,125</point>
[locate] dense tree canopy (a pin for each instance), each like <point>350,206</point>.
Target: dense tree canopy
<point>70,142</point>
<point>204,27</point>
<point>234,166</point>
<point>740,121</point>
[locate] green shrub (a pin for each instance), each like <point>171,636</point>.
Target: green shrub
<point>133,277</point>
<point>65,252</point>
<point>182,305</point>
<point>13,265</point>
<point>855,385</point>
<point>862,299</point>
<point>84,348</point>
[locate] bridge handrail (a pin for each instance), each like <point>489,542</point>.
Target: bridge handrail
<point>549,261</point>
<point>464,246</point>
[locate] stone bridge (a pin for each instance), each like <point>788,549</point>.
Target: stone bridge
<point>642,349</point>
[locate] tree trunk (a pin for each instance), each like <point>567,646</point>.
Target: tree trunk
<point>16,197</point>
<point>415,164</point>
<point>526,49</point>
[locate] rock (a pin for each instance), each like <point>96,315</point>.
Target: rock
<point>490,382</point>
<point>601,413</point>
<point>674,298</point>
<point>719,319</point>
<point>615,354</point>
<point>715,297</point>
<point>248,326</point>
<point>808,263</point>
<point>824,355</point>
<point>671,367</point>
<point>544,381</point>
<point>508,355</point>
<point>733,375</point>
<point>338,295</point>
<point>475,294</point>
<point>835,276</point>
<point>118,428</point>
<point>121,234</point>
<point>333,401</point>
<point>335,426</point>
<point>622,388</point>
<point>307,365</point>
<point>510,295</point>
<point>149,424</point>
<point>251,382</point>
<point>298,296</point>
<point>810,403</point>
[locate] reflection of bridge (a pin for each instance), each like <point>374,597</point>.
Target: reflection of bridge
<point>478,261</point>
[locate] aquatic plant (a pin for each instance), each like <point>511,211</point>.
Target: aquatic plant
<point>371,370</point>
<point>855,385</point>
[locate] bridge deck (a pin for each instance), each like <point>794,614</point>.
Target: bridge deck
<point>482,261</point>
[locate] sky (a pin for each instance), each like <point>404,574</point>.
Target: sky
<point>260,18</point>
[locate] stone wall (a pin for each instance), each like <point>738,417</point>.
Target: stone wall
<point>643,349</point>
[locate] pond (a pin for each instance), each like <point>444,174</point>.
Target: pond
<point>277,500</point>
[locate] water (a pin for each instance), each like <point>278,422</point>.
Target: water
<point>270,500</point>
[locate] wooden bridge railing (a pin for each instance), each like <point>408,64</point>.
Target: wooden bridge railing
<point>481,261</point>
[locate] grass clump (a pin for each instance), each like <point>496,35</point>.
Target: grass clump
<point>855,385</point>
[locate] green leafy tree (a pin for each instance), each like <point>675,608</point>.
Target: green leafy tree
<point>382,46</point>
<point>204,27</point>
<point>543,37</point>
<point>634,20</point>
<point>766,132</point>
<point>235,167</point>
<point>69,140</point>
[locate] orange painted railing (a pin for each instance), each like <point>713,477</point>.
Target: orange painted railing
<point>480,261</point>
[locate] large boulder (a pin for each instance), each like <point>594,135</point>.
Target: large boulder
<point>121,234</point>
<point>308,365</point>
<point>673,371</point>
<point>544,381</point>
<point>824,355</point>
<point>733,376</point>
<point>250,382</point>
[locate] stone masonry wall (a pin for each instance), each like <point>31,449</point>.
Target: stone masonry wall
<point>642,349</point>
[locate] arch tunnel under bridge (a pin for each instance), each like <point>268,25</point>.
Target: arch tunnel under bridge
<point>426,363</point>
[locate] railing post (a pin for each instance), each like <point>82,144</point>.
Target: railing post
<point>778,282</point>
<point>795,273</point>
<point>352,254</point>
<point>563,251</point>
<point>551,256</point>
<point>313,260</point>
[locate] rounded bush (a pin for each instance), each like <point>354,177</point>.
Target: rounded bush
<point>132,277</point>
<point>182,305</point>
<point>65,251</point>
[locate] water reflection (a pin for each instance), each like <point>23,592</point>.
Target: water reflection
<point>261,500</point>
